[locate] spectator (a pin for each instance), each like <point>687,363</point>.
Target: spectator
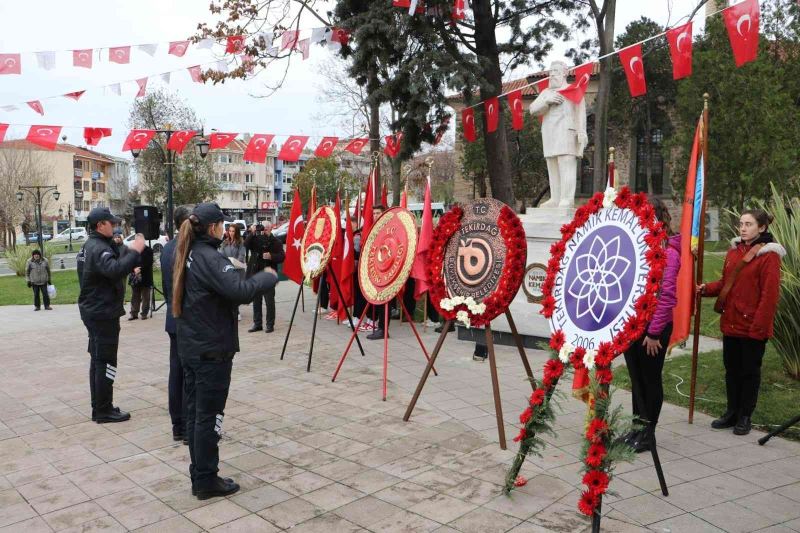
<point>141,282</point>
<point>37,274</point>
<point>233,248</point>
<point>265,251</point>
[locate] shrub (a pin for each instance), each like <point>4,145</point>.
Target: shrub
<point>18,258</point>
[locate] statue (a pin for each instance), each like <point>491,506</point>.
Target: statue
<point>563,136</point>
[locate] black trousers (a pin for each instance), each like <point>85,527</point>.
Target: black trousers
<point>433,314</point>
<point>742,358</point>
<point>103,345</point>
<point>268,297</point>
<point>647,386</point>
<point>207,381</point>
<point>177,405</point>
<point>46,297</point>
<point>359,302</point>
<point>140,297</point>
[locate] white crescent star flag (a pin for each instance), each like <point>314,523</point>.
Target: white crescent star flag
<point>468,123</point>
<point>517,109</point>
<point>575,90</point>
<point>44,136</point>
<point>218,140</point>
<point>632,63</point>
<point>138,140</point>
<point>36,105</point>
<point>196,73</point>
<point>294,235</point>
<point>75,96</point>
<point>292,148</point>
<point>305,47</point>
<point>491,107</point>
<point>46,60</point>
<point>10,64</point>
<point>256,151</point>
<point>120,54</point>
<point>82,58</point>
<point>356,145</point>
<point>326,146</point>
<point>179,139</point>
<point>742,21</point>
<point>178,48</point>
<point>680,50</point>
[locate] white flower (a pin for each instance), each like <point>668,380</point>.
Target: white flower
<point>565,351</point>
<point>477,309</point>
<point>463,317</point>
<point>588,359</point>
<point>457,300</point>
<point>469,301</point>
<point>447,304</point>
<point>609,196</point>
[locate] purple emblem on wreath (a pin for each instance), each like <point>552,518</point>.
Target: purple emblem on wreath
<point>600,277</point>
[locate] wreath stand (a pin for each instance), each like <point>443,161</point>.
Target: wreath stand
<point>385,341</point>
<point>498,408</point>
<point>316,317</point>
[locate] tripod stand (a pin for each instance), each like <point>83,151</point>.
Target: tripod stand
<point>763,440</point>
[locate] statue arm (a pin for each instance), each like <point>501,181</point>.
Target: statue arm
<point>580,121</point>
<point>539,106</point>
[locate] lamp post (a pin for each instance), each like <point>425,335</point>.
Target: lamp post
<point>202,148</point>
<point>38,192</point>
<point>69,220</point>
<point>257,189</point>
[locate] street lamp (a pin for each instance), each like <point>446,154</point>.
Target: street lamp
<point>69,220</point>
<point>38,192</point>
<point>202,148</point>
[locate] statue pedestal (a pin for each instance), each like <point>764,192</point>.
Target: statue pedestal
<point>542,229</point>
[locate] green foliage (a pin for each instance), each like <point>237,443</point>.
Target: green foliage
<point>18,256</point>
<point>328,178</point>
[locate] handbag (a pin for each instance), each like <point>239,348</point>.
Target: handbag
<point>719,305</point>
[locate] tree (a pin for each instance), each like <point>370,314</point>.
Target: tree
<point>21,167</point>
<point>443,170</point>
<point>325,174</point>
<point>193,176</point>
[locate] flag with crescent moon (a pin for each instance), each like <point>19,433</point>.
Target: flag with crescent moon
<point>256,151</point>
<point>392,148</point>
<point>218,140</point>
<point>633,64</point>
<point>356,145</point>
<point>75,96</point>
<point>178,48</point>
<point>294,238</point>
<point>575,90</point>
<point>10,64</point>
<point>335,264</point>
<point>289,39</point>
<point>292,148</point>
<point>92,136</point>
<point>419,270</point>
<point>517,111</point>
<point>44,136</point>
<point>680,50</point>
<point>326,146</point>
<point>138,140</point>
<point>36,105</point>
<point>491,109</point>
<point>234,44</point>
<point>179,139</point>
<point>142,83</point>
<point>196,73</point>
<point>82,58</point>
<point>120,55</point>
<point>468,123</point>
<point>348,263</point>
<point>742,22</point>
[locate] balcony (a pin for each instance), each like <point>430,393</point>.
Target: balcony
<point>78,173</point>
<point>230,186</point>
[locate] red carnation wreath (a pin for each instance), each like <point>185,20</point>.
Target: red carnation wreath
<point>510,280</point>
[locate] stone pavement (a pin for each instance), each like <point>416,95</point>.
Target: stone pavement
<point>312,455</point>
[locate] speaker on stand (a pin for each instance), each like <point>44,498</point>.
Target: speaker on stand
<point>147,221</point>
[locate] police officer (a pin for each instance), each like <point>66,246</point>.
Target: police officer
<point>265,251</point>
<point>101,274</point>
<point>206,291</point>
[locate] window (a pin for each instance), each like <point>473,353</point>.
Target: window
<point>248,178</point>
<point>86,205</point>
<point>246,196</point>
<point>286,197</point>
<point>77,185</point>
<point>86,185</point>
<point>287,179</point>
<point>78,163</point>
<point>653,156</point>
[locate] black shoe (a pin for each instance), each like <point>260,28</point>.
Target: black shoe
<point>48,308</point>
<point>178,437</point>
<point>481,358</point>
<point>628,438</point>
<point>269,329</point>
<point>112,416</point>
<point>441,327</point>
<point>219,487</point>
<point>254,328</point>
<point>643,441</point>
<point>194,490</point>
<point>144,317</point>
<point>134,317</point>
<point>36,309</point>
<point>743,426</point>
<point>185,440</point>
<point>375,335</point>
<point>728,420</point>
<point>94,414</point>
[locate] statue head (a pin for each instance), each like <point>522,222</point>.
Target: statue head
<point>558,74</point>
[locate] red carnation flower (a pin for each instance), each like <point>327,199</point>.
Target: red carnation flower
<point>557,248</point>
<point>588,503</point>
<point>645,305</point>
<point>577,357</point>
<point>656,255</point>
<point>567,230</point>
<point>522,434</point>
<point>603,375</point>
<point>520,481</point>
<point>537,397</point>
<point>596,202</point>
<point>596,481</point>
<point>595,455</point>
<point>637,201</point>
<point>605,354</point>
<point>554,367</point>
<point>596,430</point>
<point>526,415</point>
<point>621,343</point>
<point>547,286</point>
<point>557,340</point>
<point>646,214</point>
<point>623,197</point>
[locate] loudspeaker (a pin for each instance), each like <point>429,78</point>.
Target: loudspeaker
<point>147,220</point>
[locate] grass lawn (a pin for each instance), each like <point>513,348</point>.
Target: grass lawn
<point>777,401</point>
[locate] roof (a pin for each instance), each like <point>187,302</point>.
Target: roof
<point>23,144</point>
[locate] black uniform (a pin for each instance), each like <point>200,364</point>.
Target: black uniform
<point>207,341</point>
<point>101,274</point>
<point>257,245</point>
<point>175,393</point>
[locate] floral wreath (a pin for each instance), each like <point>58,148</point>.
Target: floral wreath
<point>601,448</point>
<point>467,310</point>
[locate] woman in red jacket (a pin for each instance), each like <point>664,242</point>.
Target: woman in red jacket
<point>747,297</point>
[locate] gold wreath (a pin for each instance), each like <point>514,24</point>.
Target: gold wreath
<point>390,291</point>
<point>323,211</point>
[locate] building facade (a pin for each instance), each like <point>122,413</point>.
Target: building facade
<point>246,188</point>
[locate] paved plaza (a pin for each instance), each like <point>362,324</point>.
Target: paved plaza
<point>316,456</point>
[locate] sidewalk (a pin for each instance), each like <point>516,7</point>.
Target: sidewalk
<point>312,455</point>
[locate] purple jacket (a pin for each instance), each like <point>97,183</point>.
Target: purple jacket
<point>667,298</point>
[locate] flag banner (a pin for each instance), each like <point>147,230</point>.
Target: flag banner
<point>120,55</point>
<point>82,58</point>
<point>46,60</point>
<point>577,89</point>
<point>468,123</point>
<point>294,237</point>
<point>632,63</point>
<point>517,111</point>
<point>419,270</point>
<point>138,140</point>
<point>356,145</point>
<point>3,130</point>
<point>36,105</point>
<point>92,136</point>
<point>44,136</point>
<point>293,147</point>
<point>393,144</point>
<point>196,73</point>
<point>179,139</point>
<point>234,44</point>
<point>256,151</point>
<point>680,50</point>
<point>326,146</point>
<point>142,83</point>
<point>217,141</point>
<point>742,21</point>
<point>178,48</point>
<point>491,108</point>
<point>149,49</point>
<point>75,96</point>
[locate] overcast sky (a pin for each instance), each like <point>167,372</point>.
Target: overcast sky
<point>63,25</point>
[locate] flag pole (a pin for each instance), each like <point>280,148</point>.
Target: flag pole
<point>699,270</point>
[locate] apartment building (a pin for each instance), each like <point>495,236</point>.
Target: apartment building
<point>246,189</point>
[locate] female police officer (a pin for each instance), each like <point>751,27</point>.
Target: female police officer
<point>206,292</point>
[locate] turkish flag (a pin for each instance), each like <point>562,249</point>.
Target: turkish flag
<point>631,59</point>
<point>10,64</point>
<point>305,48</point>
<point>356,145</point>
<point>680,49</point>
<point>293,147</point>
<point>742,23</point>
<point>120,54</point>
<point>178,48</point>
<point>341,36</point>
<point>289,39</point>
<point>491,109</point>
<point>335,265</point>
<point>419,269</point>
<point>196,73</point>
<point>220,140</point>
<point>517,113</point>
<point>256,151</point>
<point>468,122</point>
<point>575,90</point>
<point>36,105</point>
<point>179,139</point>
<point>458,10</point>
<point>235,44</point>
<point>3,129</point>
<point>393,144</point>
<point>294,238</point>
<point>369,200</point>
<point>82,58</point>
<point>75,96</point>
<point>92,136</point>
<point>348,267</point>
<point>541,85</point>
<point>326,146</point>
<point>138,140</point>
<point>44,136</point>
<point>142,83</point>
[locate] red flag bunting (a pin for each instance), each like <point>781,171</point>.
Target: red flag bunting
<point>36,105</point>
<point>348,263</point>
<point>305,48</point>
<point>632,63</point>
<point>341,36</point>
<point>356,145</point>
<point>92,136</point>
<point>235,44</point>
<point>491,109</point>
<point>468,123</point>
<point>75,96</point>
<point>335,265</point>
<point>196,73</point>
<point>220,140</point>
<point>575,90</point>
<point>458,10</point>
<point>517,111</point>
<point>326,146</point>
<point>294,237</point>
<point>541,85</point>
<point>82,58</point>
<point>120,54</point>
<point>680,49</point>
<point>419,269</point>
<point>178,48</point>
<point>138,140</point>
<point>293,147</point>
<point>179,139</point>
<point>443,127</point>
<point>44,136</point>
<point>3,130</point>
<point>142,83</point>
<point>289,39</point>
<point>392,148</point>
<point>256,151</point>
<point>742,21</point>
<point>10,64</point>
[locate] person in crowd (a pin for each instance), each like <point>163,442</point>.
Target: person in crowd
<point>116,238</point>
<point>206,291</point>
<point>37,274</point>
<point>175,392</point>
<point>265,251</point>
<point>378,310</point>
<point>141,282</point>
<point>747,296</point>
<point>645,357</point>
<point>101,274</point>
<point>233,248</point>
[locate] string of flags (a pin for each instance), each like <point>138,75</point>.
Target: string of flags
<point>742,24</point>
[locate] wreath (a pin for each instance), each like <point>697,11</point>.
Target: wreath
<point>467,310</point>
<point>601,448</point>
